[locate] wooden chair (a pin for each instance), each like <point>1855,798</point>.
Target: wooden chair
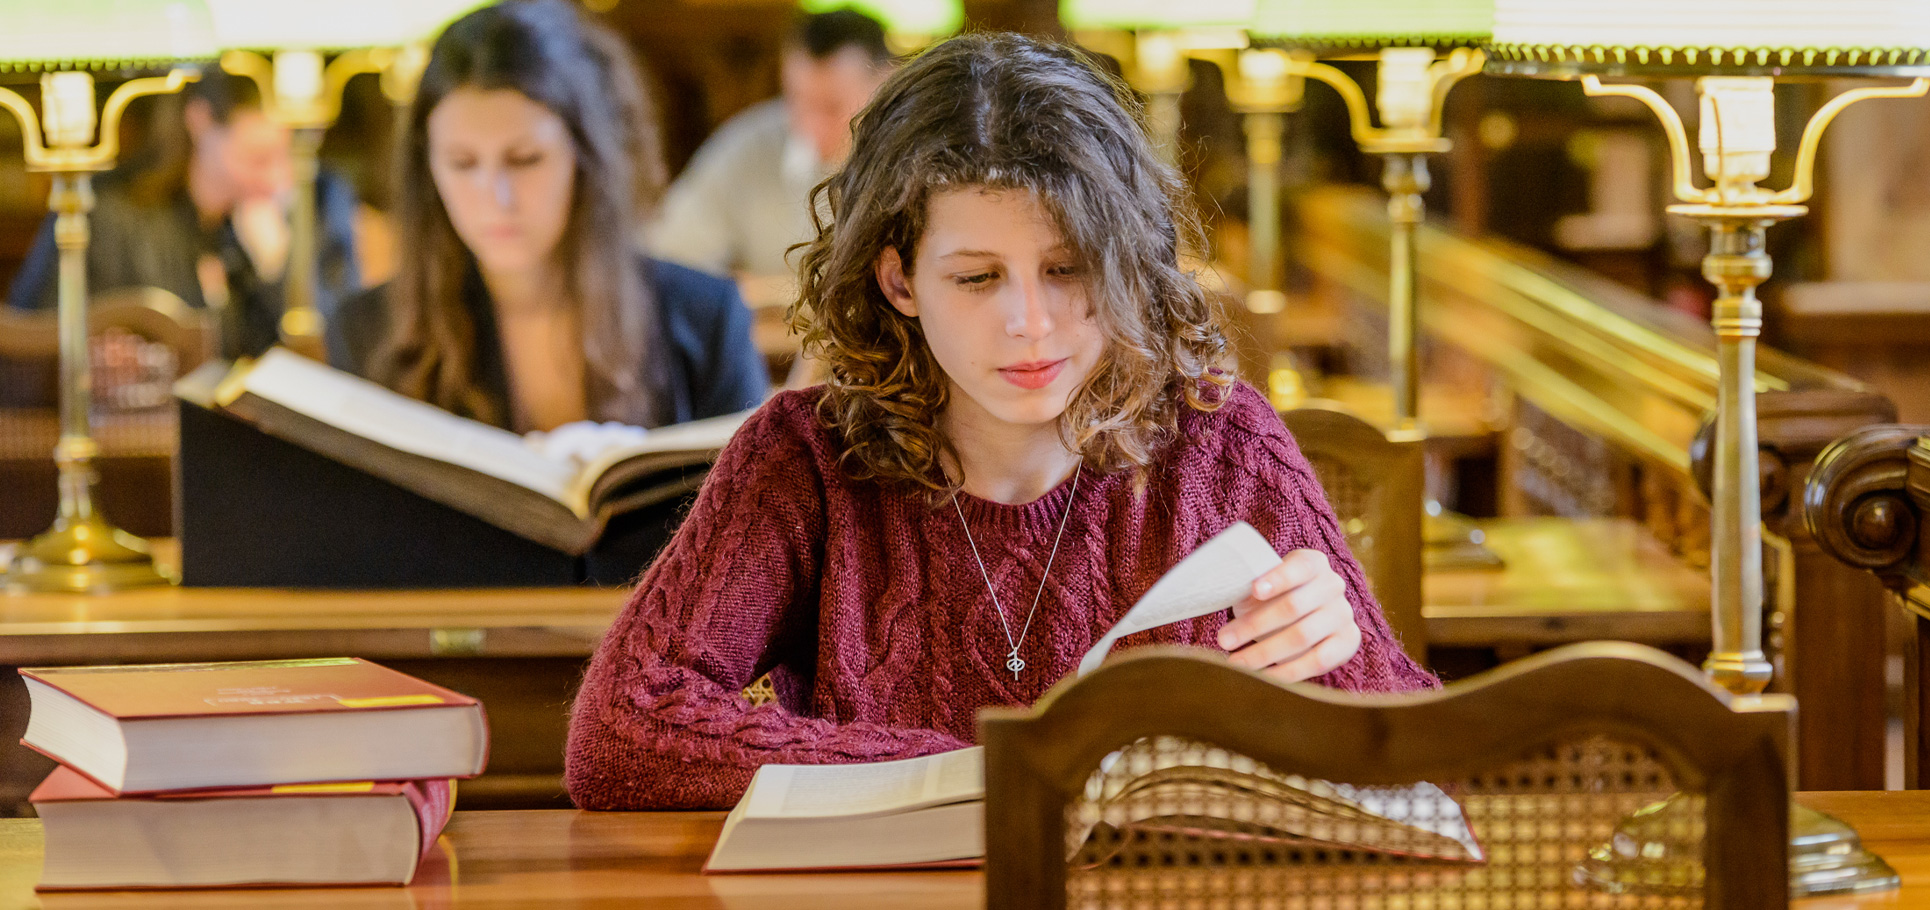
<point>1545,759</point>
<point>1375,485</point>
<point>155,338</point>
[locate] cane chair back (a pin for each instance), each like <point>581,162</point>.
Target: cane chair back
<point>1375,485</point>
<point>1171,779</point>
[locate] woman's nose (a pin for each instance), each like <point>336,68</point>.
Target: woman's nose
<point>1031,315</point>
<point>499,189</point>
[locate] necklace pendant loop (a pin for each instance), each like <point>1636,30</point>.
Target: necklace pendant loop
<point>1015,663</point>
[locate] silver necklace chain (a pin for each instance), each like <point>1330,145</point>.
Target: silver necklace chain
<point>1013,661</point>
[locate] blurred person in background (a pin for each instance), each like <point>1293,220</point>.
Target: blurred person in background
<point>530,157</point>
<point>202,212</point>
<point>743,201</point>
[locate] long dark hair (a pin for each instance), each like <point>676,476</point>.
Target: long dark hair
<point>1007,112</point>
<point>584,74</point>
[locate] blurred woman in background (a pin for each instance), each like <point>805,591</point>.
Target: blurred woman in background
<point>530,157</point>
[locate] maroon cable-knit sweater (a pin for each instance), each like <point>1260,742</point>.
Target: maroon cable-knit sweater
<point>864,604</point>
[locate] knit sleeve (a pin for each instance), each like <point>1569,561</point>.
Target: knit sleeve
<point>1282,497</point>
<point>660,721</point>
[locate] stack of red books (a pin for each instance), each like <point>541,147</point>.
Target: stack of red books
<point>329,771</point>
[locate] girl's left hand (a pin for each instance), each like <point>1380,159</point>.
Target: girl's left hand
<point>1297,623</point>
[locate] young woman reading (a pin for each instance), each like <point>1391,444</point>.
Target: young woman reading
<point>1026,425</point>
<point>529,159</point>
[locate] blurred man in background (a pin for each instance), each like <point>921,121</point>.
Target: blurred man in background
<point>744,199</point>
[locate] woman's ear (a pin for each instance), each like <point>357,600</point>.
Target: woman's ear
<point>895,284</point>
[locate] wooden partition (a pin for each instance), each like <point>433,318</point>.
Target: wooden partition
<point>1608,397</point>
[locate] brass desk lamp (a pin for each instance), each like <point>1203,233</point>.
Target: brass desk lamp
<point>302,90</point>
<point>1736,52</point>
<point>67,43</point>
<point>1404,38</point>
<point>1413,85</point>
<point>1154,43</point>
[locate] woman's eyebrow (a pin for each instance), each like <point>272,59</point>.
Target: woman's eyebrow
<point>970,254</point>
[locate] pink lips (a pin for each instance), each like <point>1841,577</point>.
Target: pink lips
<point>1036,375</point>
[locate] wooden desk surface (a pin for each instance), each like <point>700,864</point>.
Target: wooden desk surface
<point>566,858</point>
<point>179,624</point>
<point>1568,580</point>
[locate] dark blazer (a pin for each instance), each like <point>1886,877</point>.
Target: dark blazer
<point>713,367</point>
<point>134,244</point>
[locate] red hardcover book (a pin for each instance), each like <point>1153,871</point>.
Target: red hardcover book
<point>160,727</point>
<point>297,834</point>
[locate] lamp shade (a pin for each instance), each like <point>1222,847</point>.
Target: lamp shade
<point>1150,14</point>
<point>103,34</point>
<point>1373,23</point>
<point>1711,37</point>
<point>330,24</point>
<point>910,17</point>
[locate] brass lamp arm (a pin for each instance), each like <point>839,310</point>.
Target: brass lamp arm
<point>1460,63</point>
<point>101,155</point>
<point>346,65</point>
<point>1805,179</point>
<point>29,123</point>
<point>255,67</point>
<point>1239,90</point>
<point>1360,116</point>
<point>1444,74</point>
<point>1685,188</point>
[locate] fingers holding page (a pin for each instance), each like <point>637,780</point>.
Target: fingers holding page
<point>1297,624</point>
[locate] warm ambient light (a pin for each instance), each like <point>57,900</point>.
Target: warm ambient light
<point>1154,14</point>
<point>913,20</point>
<point>1735,50</point>
<point>82,551</point>
<point>330,24</point>
<point>1374,23</point>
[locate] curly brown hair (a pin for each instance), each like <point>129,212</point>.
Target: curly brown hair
<point>1003,111</point>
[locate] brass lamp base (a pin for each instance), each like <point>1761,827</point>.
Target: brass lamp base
<point>81,557</point>
<point>1658,850</point>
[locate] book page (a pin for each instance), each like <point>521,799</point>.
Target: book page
<point>368,410</point>
<point>710,434</point>
<point>1212,578</point>
<point>814,791</point>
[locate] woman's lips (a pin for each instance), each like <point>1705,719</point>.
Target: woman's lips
<point>1036,375</point>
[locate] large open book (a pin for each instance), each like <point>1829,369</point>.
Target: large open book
<point>930,812</point>
<point>478,469</point>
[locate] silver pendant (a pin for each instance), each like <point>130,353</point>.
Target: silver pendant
<point>1015,663</point>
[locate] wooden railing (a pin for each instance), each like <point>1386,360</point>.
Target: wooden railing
<point>1609,395</point>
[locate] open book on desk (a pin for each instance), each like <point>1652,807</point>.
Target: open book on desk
<point>479,469</point>
<point>929,812</point>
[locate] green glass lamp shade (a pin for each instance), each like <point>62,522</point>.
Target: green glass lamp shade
<point>1373,23</point>
<point>1711,37</point>
<point>271,25</point>
<point>51,35</point>
<point>1155,14</point>
<point>911,17</point>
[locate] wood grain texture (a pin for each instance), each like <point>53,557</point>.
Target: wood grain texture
<point>1569,580</point>
<point>542,859</point>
